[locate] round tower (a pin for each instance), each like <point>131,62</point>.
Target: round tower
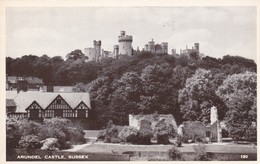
<point>125,44</point>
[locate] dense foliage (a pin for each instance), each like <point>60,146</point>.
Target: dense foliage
<point>117,134</point>
<point>148,83</point>
<point>239,94</point>
<point>174,154</point>
<point>163,132</point>
<point>28,134</point>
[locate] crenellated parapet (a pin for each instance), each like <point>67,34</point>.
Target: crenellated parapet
<point>125,38</point>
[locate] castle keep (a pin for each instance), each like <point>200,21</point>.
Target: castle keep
<point>125,44</point>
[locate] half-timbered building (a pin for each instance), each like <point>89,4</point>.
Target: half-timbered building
<point>39,105</point>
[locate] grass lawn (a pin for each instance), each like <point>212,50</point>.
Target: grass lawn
<point>120,148</point>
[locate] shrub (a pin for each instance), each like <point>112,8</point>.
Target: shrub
<point>145,135</point>
<point>193,130</point>
<point>251,134</point>
<point>129,134</point>
<point>59,128</point>
<point>101,135</point>
<point>12,133</point>
<point>63,130</point>
<point>30,142</point>
<point>28,127</point>
<point>110,134</point>
<point>200,152</point>
<point>163,131</point>
<point>200,139</point>
<point>174,153</point>
<point>75,135</point>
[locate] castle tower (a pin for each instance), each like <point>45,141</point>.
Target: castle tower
<point>97,49</point>
<point>90,53</point>
<point>125,44</point>
<point>151,46</point>
<point>116,51</point>
<point>146,47</point>
<point>174,52</point>
<point>197,47</point>
<point>164,47</point>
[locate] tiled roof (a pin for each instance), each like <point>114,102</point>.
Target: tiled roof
<point>11,94</point>
<point>12,79</point>
<point>65,89</point>
<point>10,103</point>
<point>34,80</point>
<point>24,99</point>
<point>30,80</point>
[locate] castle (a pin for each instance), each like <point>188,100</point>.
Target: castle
<point>94,54</point>
<point>124,48</point>
<point>156,48</point>
<point>188,52</point>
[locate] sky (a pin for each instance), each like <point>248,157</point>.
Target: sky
<point>56,31</point>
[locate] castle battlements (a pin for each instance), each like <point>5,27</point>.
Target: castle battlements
<point>125,44</point>
<point>125,38</point>
<point>97,43</point>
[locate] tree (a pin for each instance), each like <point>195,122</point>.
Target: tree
<point>158,92</point>
<point>100,92</point>
<point>238,91</point>
<point>75,55</point>
<point>198,96</point>
<point>125,97</point>
<point>80,87</point>
<point>43,68</point>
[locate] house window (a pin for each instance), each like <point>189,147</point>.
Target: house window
<point>86,113</point>
<point>40,113</point>
<point>49,113</point>
<point>67,113</point>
